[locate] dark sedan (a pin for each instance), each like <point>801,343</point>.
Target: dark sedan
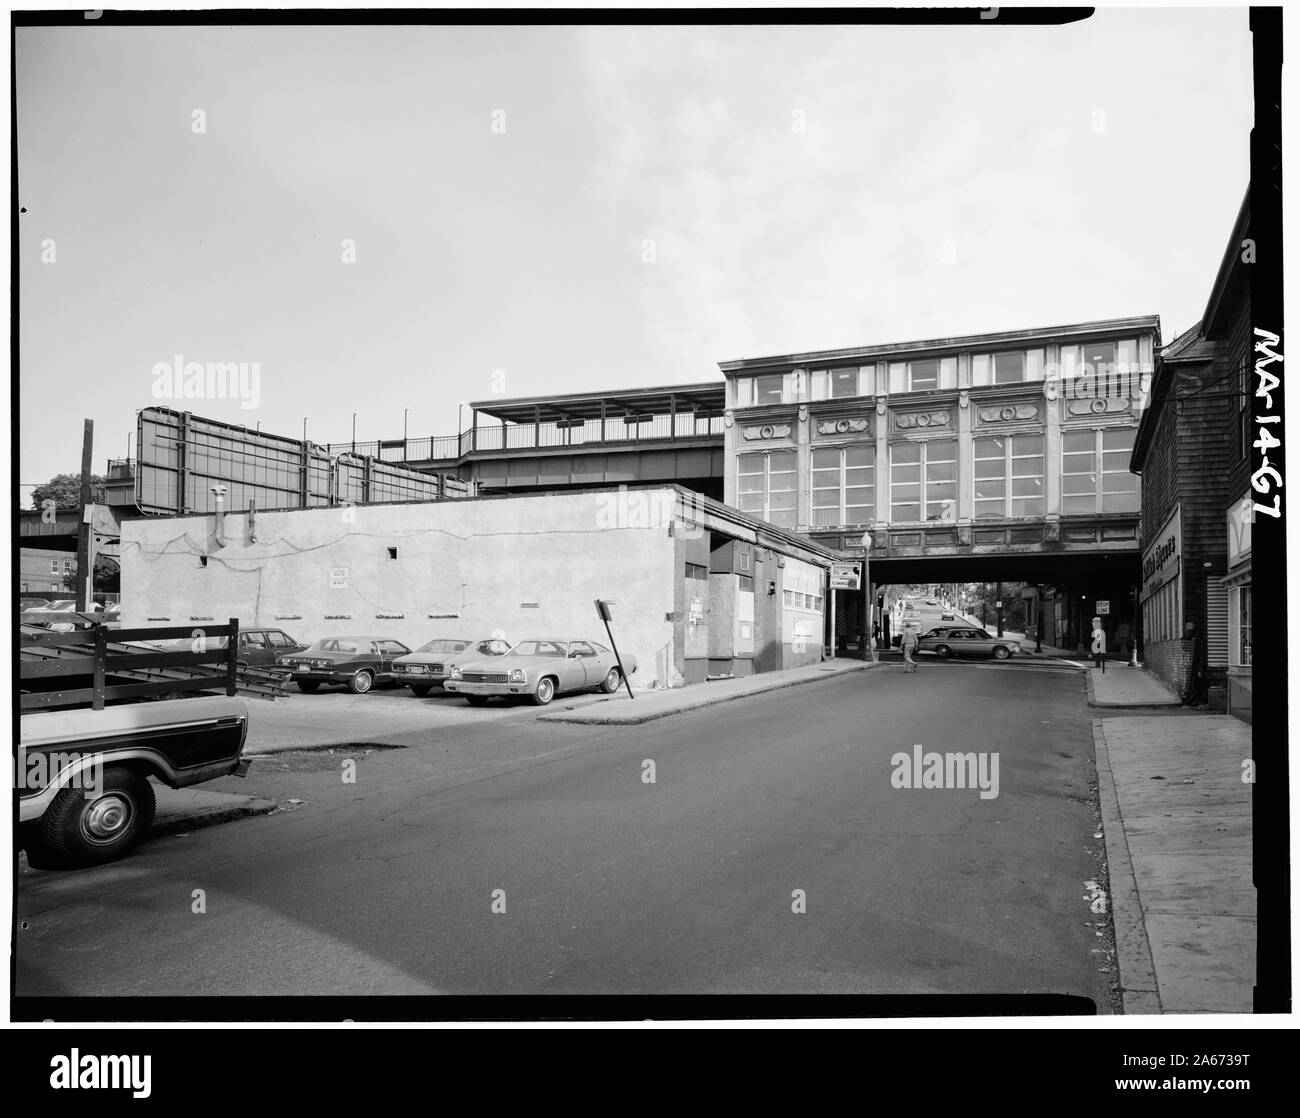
<point>357,663</point>
<point>966,641</point>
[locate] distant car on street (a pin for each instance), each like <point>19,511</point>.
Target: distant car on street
<point>966,641</point>
<point>540,669</point>
<point>357,663</point>
<point>427,667</point>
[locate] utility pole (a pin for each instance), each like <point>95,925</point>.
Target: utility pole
<point>85,551</point>
<point>999,606</point>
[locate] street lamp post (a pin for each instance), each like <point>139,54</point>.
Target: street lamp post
<point>871,594</point>
<point>1038,625</point>
<point>354,432</point>
<point>405,413</point>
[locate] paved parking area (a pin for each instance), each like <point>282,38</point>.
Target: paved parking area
<point>334,717</point>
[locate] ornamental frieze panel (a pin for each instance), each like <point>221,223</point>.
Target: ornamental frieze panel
<point>767,431</point>
<point>855,425</point>
<point>921,420</point>
<point>1099,405</point>
<point>1007,413</point>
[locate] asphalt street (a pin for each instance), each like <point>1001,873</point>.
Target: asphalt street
<point>511,856</point>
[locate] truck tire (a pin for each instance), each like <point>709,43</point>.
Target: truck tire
<point>77,830</point>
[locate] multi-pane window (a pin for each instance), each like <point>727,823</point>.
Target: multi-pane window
<point>1244,633</point>
<point>922,375</point>
<point>54,566</point>
<point>754,392</point>
<point>766,486</point>
<point>1101,369</point>
<point>1095,473</point>
<point>923,481</point>
<point>1009,367</point>
<point>1009,476</point>
<point>843,485</point>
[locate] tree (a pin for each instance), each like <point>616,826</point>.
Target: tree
<point>65,491</point>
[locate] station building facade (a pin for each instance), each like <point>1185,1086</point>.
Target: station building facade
<point>1001,444</point>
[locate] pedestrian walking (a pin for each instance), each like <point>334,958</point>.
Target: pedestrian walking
<point>909,645</point>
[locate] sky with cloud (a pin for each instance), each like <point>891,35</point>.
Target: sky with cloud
<point>540,210</point>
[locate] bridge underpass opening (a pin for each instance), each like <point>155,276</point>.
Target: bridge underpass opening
<point>1068,591</point>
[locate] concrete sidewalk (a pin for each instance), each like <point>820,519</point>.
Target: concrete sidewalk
<point>1177,818</point>
<point>619,710</point>
<point>1123,686</point>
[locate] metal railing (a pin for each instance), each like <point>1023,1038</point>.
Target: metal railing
<point>533,436</point>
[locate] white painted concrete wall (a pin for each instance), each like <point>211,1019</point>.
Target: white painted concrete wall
<point>480,559</point>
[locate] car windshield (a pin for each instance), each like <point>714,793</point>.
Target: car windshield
<point>538,648</point>
<point>336,644</point>
<point>442,645</point>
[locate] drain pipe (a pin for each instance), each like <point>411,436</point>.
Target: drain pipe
<point>219,513</point>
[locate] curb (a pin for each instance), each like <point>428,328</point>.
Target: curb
<point>181,822</point>
<point>715,700</point>
<point>1138,989</point>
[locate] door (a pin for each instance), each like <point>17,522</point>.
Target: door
<point>579,666</point>
<point>253,650</point>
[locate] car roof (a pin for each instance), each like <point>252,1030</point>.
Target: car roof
<point>353,637</point>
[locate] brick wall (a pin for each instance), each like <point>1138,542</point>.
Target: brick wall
<point>1172,662</point>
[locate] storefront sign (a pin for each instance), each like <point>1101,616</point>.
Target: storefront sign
<point>844,576</point>
<point>1162,560</point>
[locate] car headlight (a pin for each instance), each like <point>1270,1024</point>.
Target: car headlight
<point>454,673</point>
<point>518,675</point>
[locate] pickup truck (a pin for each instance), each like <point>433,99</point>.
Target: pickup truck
<point>101,716</point>
<point>84,792</point>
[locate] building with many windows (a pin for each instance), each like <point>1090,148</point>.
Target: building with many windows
<point>952,452</point>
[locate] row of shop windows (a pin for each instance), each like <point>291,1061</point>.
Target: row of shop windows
<point>1110,363</point>
<point>1008,478</point>
<point>1161,619</point>
<point>792,599</point>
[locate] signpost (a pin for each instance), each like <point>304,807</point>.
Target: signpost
<point>846,576</point>
<point>602,608</point>
<point>1103,606</point>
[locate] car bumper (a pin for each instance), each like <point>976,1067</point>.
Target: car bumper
<point>407,680</point>
<point>325,677</point>
<point>460,687</point>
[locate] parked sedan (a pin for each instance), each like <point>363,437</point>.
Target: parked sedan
<point>355,662</point>
<point>540,669</point>
<point>967,642</point>
<point>427,667</point>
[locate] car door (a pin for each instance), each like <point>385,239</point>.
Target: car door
<point>253,649</point>
<point>574,674</point>
<point>388,652</point>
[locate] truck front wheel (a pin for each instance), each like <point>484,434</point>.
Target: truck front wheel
<point>89,826</point>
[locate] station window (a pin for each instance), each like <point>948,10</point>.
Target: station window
<point>1009,476</point>
<point>923,481</point>
<point>752,392</point>
<point>1094,471</point>
<point>696,570</point>
<point>923,375</point>
<point>843,485</point>
<point>766,485</point>
<point>1007,367</point>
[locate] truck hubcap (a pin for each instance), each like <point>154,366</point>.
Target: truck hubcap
<point>107,818</point>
